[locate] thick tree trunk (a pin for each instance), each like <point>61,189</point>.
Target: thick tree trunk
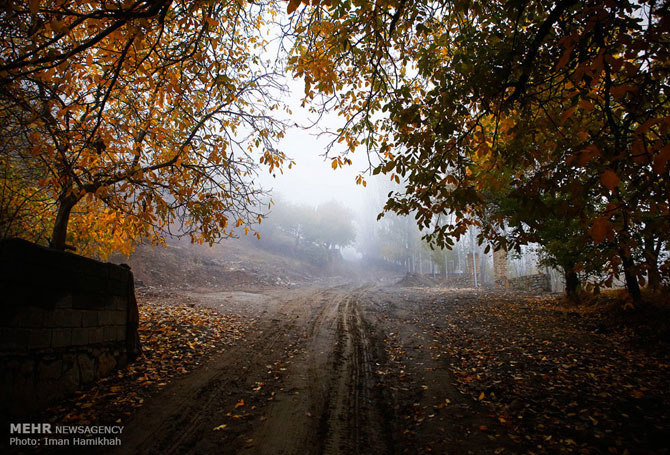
<point>572,285</point>
<point>632,285</point>
<point>59,233</point>
<point>651,259</point>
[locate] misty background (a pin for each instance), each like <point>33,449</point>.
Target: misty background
<point>322,215</point>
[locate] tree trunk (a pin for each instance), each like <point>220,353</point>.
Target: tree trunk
<point>446,267</point>
<point>59,233</point>
<point>651,260</point>
<point>631,280</point>
<point>572,285</point>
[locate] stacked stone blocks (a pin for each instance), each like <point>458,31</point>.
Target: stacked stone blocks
<point>65,321</point>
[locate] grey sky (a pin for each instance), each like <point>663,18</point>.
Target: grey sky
<point>312,180</point>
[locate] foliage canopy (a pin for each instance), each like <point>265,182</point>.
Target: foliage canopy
<point>511,116</point>
<point>471,102</point>
<point>144,114</point>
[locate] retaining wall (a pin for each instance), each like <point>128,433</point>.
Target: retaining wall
<point>65,320</point>
<point>532,283</point>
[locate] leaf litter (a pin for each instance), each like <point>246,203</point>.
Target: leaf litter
<point>561,380</point>
<point>535,376</point>
<point>176,336</point>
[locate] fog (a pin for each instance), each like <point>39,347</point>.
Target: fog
<point>312,180</point>
<point>316,207</point>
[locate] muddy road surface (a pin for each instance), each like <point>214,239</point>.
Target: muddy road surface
<point>339,370</point>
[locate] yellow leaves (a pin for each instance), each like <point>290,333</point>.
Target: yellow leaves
<point>35,136</point>
<point>361,181</point>
<point>58,27</point>
<point>64,111</point>
<point>102,191</point>
<point>599,63</point>
<point>583,135</point>
<point>614,62</point>
<point>444,404</point>
<point>646,126</point>
<point>273,160</point>
<point>609,179</point>
<point>160,101</point>
<point>340,161</point>
<point>586,105</point>
<point>567,114</point>
<point>565,57</point>
<point>220,427</point>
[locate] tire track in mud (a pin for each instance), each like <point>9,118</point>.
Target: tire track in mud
<point>324,404</point>
<point>289,425</point>
<point>181,418</point>
<point>329,406</point>
<point>352,423</point>
<point>361,378</point>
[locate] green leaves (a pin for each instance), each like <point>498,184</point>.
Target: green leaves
<point>575,112</point>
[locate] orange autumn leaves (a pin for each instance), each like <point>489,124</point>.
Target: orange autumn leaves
<point>126,119</point>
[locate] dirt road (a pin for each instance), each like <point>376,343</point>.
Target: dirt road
<point>373,370</point>
<point>316,375</point>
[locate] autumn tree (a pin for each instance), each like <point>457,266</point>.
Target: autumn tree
<point>451,95</point>
<point>552,222</point>
<point>147,113</point>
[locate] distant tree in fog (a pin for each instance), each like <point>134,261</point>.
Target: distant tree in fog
<point>333,226</point>
<point>329,226</point>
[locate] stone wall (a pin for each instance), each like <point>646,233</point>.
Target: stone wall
<point>65,320</point>
<point>460,280</point>
<point>532,283</point>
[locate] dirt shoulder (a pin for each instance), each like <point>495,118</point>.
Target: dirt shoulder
<point>549,379</point>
